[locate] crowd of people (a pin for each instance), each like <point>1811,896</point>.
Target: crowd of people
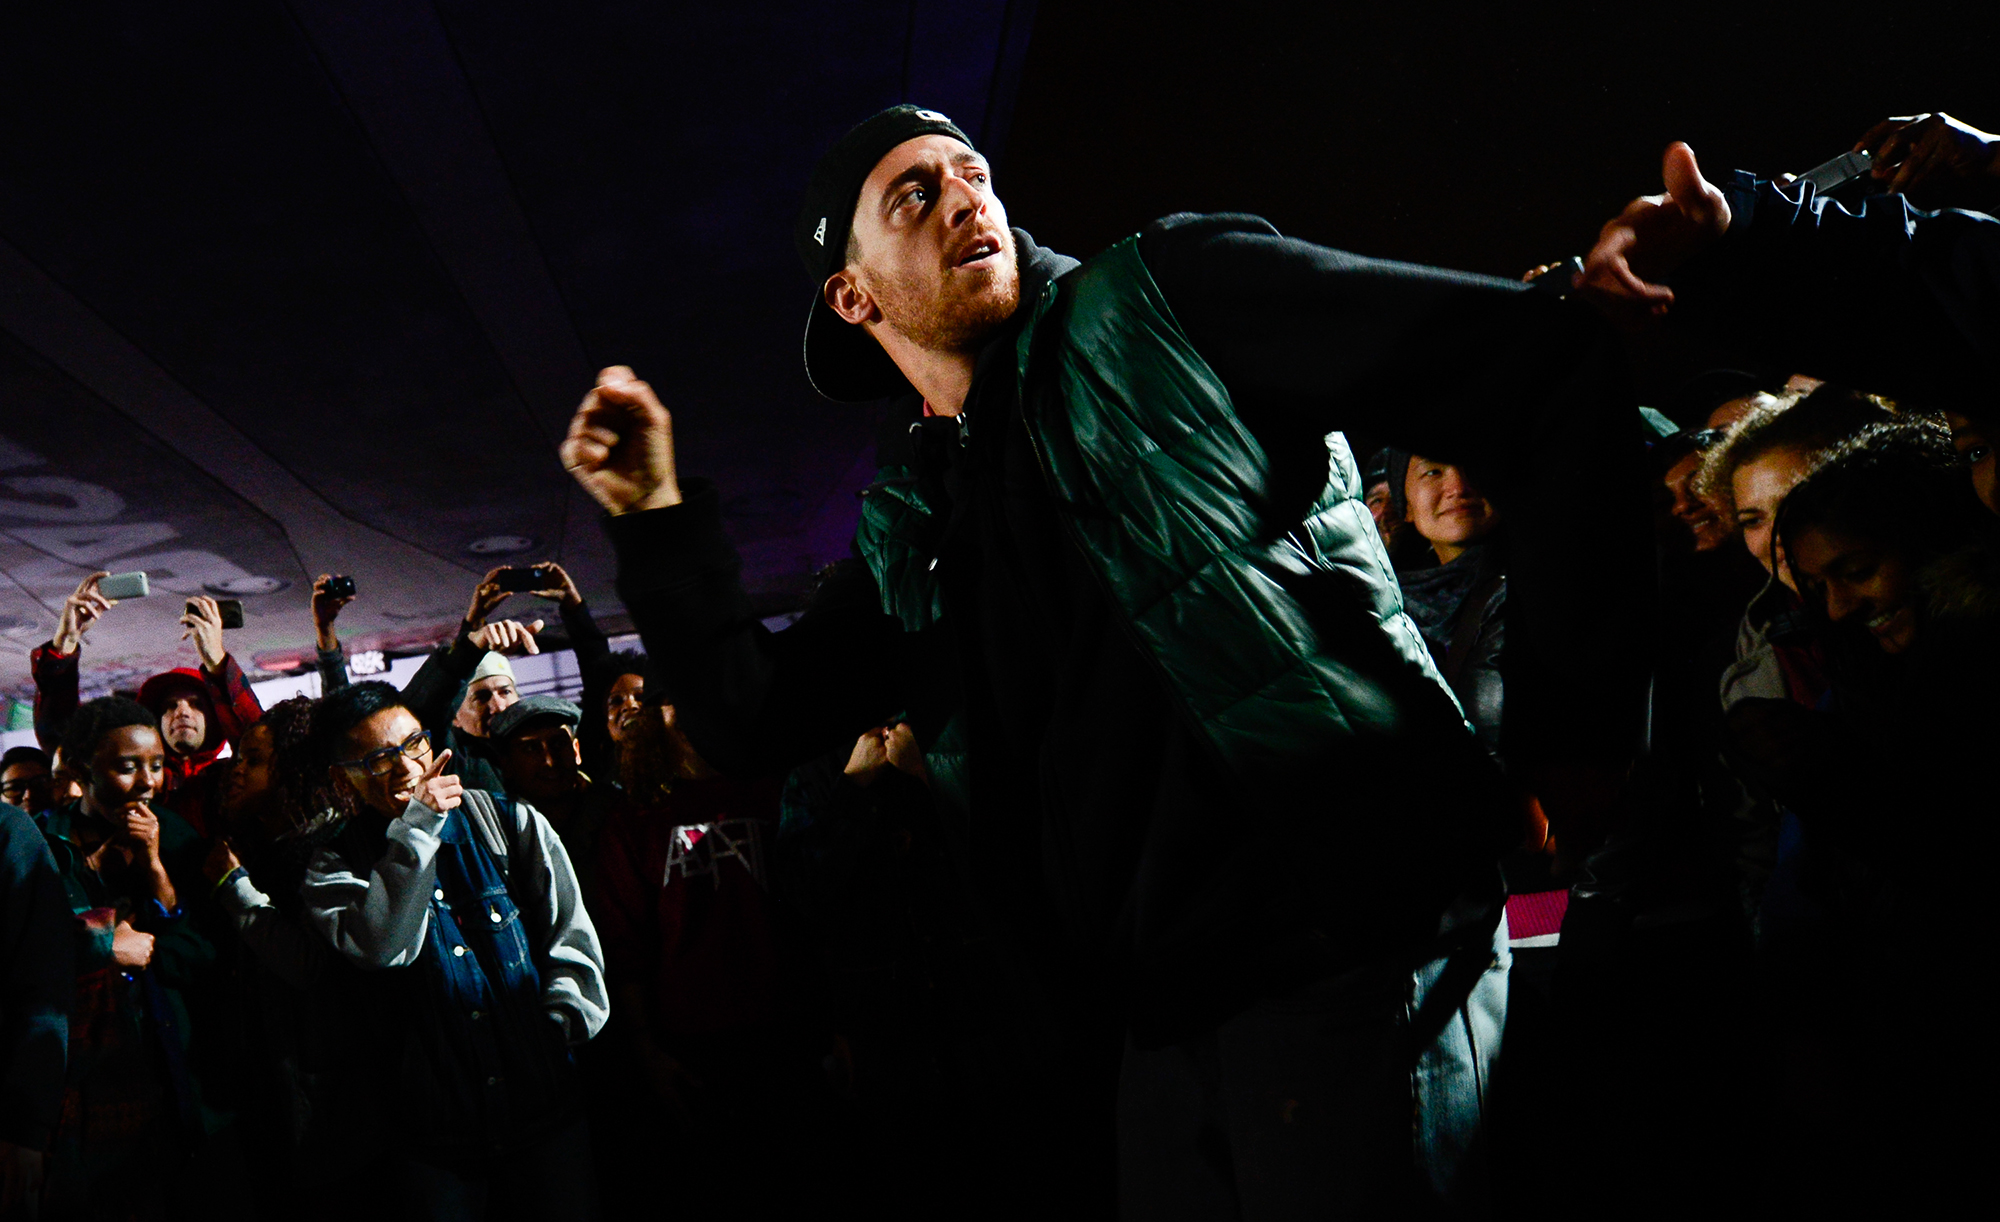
<point>1647,885</point>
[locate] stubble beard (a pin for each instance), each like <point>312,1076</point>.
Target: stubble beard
<point>944,321</point>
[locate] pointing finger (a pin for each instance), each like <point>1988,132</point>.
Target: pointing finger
<point>438,762</point>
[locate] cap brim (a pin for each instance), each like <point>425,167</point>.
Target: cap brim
<point>843,361</point>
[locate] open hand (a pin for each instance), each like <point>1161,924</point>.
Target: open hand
<point>1651,239</point>
<point>564,591</point>
<point>79,611</point>
<point>621,445</point>
<point>486,597</point>
<point>203,626</point>
<point>436,790</point>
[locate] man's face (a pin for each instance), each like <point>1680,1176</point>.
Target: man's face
<point>622,705</point>
<point>1444,506</point>
<point>541,763</point>
<point>1703,520</point>
<point>1968,437</point>
<point>184,722</point>
<point>482,700</point>
<point>129,767</point>
<point>931,258</point>
<point>26,784</point>
<point>1757,487</point>
<point>385,784</point>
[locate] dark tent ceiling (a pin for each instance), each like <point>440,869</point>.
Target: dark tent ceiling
<point>297,285</point>
<point>291,286</point>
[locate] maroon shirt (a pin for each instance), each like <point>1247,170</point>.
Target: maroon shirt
<point>688,912</point>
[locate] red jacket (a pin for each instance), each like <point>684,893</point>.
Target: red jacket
<point>228,704</point>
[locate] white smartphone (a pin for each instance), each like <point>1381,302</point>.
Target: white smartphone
<point>125,585</point>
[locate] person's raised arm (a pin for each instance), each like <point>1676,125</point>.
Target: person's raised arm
<point>1878,294</point>
<point>332,659</point>
<point>230,694</point>
<point>753,701</point>
<point>586,639</point>
<point>54,664</point>
<point>1527,392</point>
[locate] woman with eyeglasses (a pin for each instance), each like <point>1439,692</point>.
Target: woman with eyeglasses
<point>486,969</point>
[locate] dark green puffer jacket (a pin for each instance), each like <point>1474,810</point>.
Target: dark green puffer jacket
<point>1279,646</point>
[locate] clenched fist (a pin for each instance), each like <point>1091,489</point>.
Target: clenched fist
<point>621,445</point>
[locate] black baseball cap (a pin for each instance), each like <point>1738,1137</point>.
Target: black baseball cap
<point>844,362</point>
<point>532,708</point>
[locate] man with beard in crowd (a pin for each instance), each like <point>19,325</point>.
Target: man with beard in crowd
<point>200,711</point>
<point>1120,560</point>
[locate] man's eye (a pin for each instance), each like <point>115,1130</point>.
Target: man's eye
<point>1978,454</point>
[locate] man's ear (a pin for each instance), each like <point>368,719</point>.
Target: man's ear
<point>845,296</point>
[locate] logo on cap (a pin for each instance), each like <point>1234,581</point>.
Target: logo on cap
<point>932,116</point>
<point>819,235</point>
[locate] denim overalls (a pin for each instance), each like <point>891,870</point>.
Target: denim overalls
<point>495,1052</point>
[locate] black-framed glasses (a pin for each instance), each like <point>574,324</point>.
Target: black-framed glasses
<point>380,762</point>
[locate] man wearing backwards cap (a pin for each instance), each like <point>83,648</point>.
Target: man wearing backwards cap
<point>1119,577</point>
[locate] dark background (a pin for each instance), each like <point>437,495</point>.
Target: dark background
<point>312,285</point>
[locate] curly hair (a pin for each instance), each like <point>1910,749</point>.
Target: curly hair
<point>94,719</point>
<point>302,791</point>
<point>1900,484</point>
<point>1812,423</point>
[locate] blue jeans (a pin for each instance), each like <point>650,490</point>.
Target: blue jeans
<point>1360,1095</point>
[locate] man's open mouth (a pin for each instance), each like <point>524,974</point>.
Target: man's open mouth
<point>980,250</point>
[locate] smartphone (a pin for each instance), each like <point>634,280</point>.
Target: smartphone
<point>125,585</point>
<point>521,581</point>
<point>1830,176</point>
<point>231,609</point>
<point>340,586</point>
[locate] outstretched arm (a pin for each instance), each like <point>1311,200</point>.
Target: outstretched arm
<point>1885,297</point>
<point>1527,392</point>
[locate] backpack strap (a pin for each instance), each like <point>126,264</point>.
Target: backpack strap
<point>491,824</point>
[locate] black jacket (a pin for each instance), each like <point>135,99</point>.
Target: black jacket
<point>1092,803</point>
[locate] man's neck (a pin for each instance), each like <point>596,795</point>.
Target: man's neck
<point>942,378</point>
